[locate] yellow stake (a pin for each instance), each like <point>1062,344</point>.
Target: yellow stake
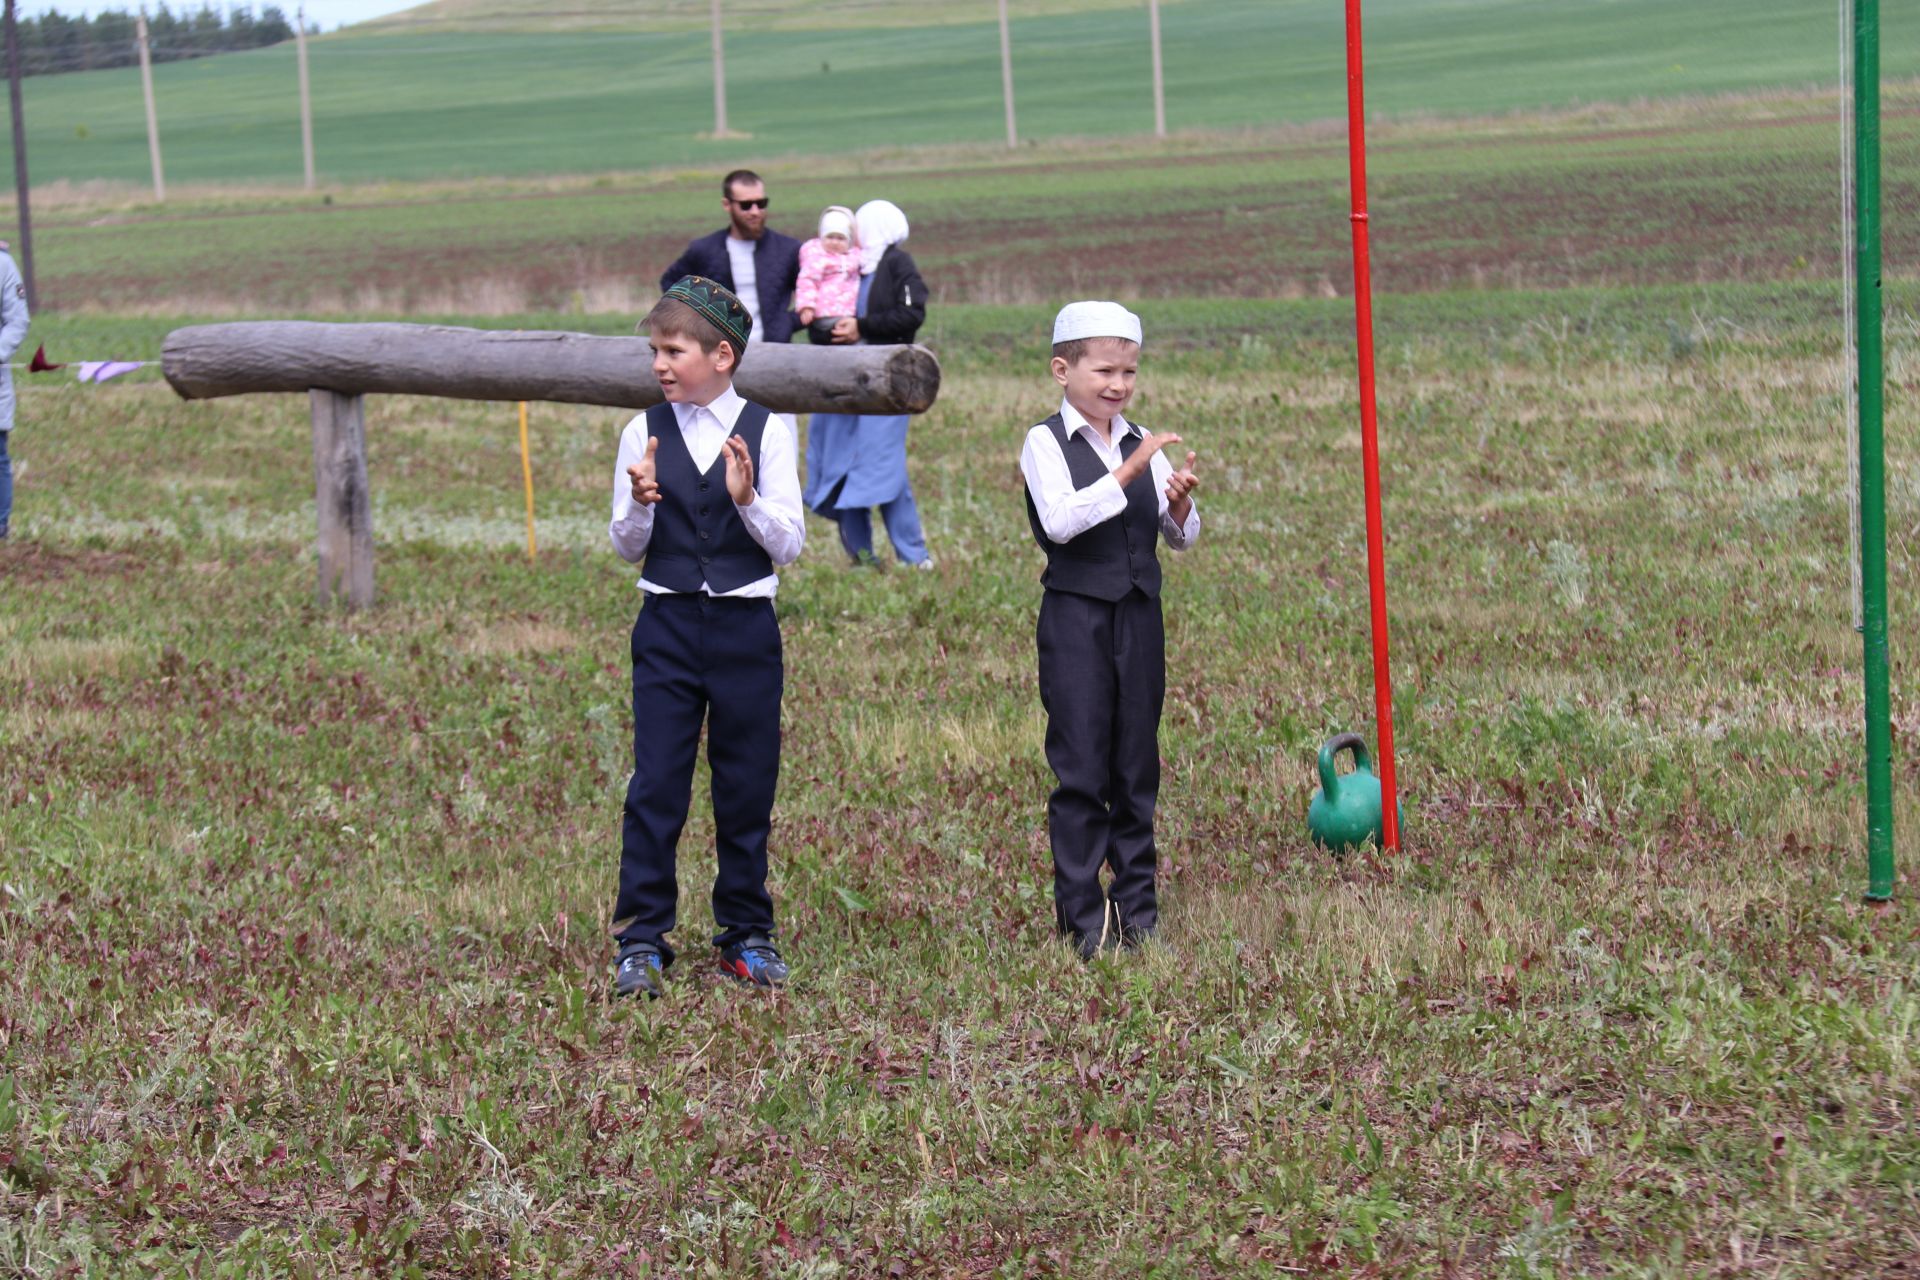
<point>526,470</point>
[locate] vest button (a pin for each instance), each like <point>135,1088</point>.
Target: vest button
<point>703,486</point>
<point>706,559</point>
<point>703,511</point>
<point>703,535</point>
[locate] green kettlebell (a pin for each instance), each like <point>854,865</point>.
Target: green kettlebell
<point>1346,810</point>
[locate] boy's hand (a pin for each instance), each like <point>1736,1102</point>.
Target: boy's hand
<point>646,488</point>
<point>806,315</point>
<point>1136,466</point>
<point>1180,486</point>
<point>739,471</point>
<point>846,329</point>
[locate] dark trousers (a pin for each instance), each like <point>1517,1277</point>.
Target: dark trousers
<point>1103,678</point>
<point>697,658</point>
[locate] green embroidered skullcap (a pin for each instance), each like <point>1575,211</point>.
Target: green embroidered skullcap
<point>717,304</point>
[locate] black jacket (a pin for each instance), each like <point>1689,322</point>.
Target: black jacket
<point>776,269</point>
<point>896,301</point>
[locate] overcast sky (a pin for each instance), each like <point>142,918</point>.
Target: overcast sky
<point>327,13</point>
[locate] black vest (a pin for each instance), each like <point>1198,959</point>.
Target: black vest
<point>1115,556</point>
<point>698,536</point>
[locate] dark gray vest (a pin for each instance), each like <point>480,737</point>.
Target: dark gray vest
<point>1115,556</point>
<point>698,537</point>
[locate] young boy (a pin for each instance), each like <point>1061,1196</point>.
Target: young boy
<point>1100,495</point>
<point>707,495</point>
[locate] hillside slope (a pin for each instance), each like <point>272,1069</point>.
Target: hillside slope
<point>425,103</point>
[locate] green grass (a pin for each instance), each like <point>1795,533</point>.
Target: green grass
<point>301,962</point>
<point>448,103</point>
<point>1740,189</point>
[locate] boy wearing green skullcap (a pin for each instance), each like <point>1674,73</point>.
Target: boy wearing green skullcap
<point>707,499</point>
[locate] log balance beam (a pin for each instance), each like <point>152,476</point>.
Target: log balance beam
<point>337,365</point>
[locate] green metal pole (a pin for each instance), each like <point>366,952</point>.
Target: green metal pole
<point>1873,472</point>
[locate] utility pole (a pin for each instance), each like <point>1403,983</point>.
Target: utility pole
<point>1006,74</point>
<point>306,99</point>
<point>1159,84</point>
<point>153,125</point>
<point>719,79</point>
<point>20,160</point>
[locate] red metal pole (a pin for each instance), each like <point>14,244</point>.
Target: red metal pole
<point>1369,428</point>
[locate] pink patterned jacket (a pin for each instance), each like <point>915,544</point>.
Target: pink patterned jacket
<point>829,282</point>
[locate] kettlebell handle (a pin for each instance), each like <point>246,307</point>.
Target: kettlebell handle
<point>1335,745</point>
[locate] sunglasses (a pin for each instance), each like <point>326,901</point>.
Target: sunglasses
<point>761,203</point>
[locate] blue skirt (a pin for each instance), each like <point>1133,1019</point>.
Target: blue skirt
<point>863,455</point>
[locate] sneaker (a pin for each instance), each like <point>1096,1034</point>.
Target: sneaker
<point>637,972</point>
<point>754,963</point>
<point>926,564</point>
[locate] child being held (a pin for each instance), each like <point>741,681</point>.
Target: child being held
<point>829,283</point>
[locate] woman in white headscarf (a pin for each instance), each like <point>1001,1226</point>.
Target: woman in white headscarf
<point>859,461</point>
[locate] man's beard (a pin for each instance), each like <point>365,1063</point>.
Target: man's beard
<point>741,232</point>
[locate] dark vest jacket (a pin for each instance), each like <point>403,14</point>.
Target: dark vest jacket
<point>1115,556</point>
<point>698,536</point>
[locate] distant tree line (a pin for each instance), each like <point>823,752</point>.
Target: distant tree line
<point>53,42</point>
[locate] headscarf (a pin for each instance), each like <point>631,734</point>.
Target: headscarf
<point>718,305</point>
<point>880,226</point>
<point>836,219</point>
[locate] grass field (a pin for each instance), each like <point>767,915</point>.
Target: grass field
<point>429,102</point>
<point>302,968</point>
<point>1727,190</point>
<point>300,934</point>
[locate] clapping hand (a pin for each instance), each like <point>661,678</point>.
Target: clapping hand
<point>1180,486</point>
<point>739,471</point>
<point>646,485</point>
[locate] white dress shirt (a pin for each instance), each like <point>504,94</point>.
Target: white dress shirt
<point>774,519</point>
<point>746,282</point>
<point>1067,512</point>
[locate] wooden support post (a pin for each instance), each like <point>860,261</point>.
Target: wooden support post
<point>306,98</point>
<point>341,495</point>
<point>153,122</point>
<point>1006,75</point>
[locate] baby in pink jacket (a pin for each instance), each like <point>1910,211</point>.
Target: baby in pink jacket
<point>829,283</point>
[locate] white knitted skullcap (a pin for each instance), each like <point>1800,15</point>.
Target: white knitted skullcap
<point>1095,320</point>
<point>836,219</point>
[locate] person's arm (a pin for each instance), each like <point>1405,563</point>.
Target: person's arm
<point>1065,512</point>
<point>13,311</point>
<point>1179,516</point>
<point>806,288</point>
<point>684,265</point>
<point>772,512</point>
<point>632,526</point>
<point>896,317</point>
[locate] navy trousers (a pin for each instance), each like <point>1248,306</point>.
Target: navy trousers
<point>697,658</point>
<point>1103,679</point>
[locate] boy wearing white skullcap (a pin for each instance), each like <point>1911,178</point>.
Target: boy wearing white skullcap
<point>1101,493</point>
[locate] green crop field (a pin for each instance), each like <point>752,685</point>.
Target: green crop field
<point>425,102</point>
<point>302,957</point>
<point>1734,190</point>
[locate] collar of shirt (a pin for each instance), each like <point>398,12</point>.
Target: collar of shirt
<point>725,409</point>
<point>1074,421</point>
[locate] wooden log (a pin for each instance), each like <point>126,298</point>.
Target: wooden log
<point>204,361</point>
<point>342,498</point>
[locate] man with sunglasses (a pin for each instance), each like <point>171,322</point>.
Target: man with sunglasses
<point>758,264</point>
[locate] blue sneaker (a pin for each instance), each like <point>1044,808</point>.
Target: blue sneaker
<point>637,972</point>
<point>754,963</point>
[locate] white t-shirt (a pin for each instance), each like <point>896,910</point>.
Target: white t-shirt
<point>745,281</point>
